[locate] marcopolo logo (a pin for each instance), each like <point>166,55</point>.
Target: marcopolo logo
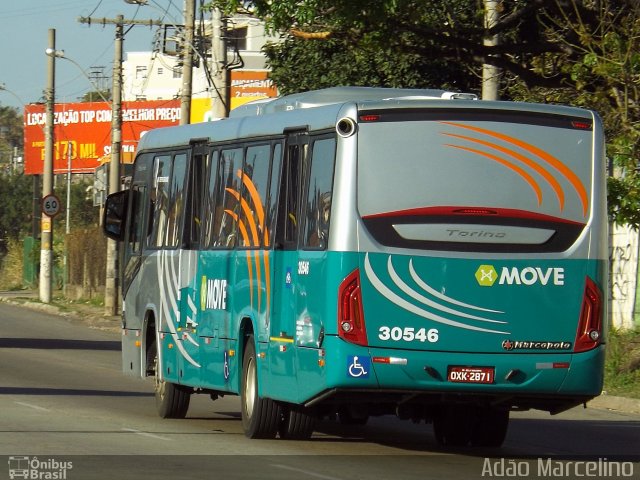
<point>487,275</point>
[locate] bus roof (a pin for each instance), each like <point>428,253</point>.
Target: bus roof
<point>248,121</point>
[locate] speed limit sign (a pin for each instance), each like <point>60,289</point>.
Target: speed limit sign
<point>51,205</point>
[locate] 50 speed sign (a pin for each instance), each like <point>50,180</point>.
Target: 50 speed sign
<point>51,205</point>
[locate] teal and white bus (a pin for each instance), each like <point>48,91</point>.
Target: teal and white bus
<point>353,252</point>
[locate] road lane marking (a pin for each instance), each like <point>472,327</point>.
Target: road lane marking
<point>35,407</point>
<point>305,472</point>
<point>145,434</point>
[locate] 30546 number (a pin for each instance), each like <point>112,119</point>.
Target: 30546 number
<point>408,334</point>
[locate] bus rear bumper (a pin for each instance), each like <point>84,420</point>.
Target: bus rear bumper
<point>548,381</point>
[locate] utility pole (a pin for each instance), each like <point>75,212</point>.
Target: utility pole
<point>490,73</point>
<point>220,96</point>
<point>111,297</point>
<point>187,61</point>
<point>46,238</point>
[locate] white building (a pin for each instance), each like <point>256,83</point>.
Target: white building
<point>158,76</point>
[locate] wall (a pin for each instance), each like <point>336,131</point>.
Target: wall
<point>623,254</point>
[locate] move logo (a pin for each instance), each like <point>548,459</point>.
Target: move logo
<point>213,294</point>
<point>487,275</point>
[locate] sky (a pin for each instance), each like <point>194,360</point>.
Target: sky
<point>24,27</point>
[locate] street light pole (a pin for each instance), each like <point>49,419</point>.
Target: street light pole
<point>46,239</point>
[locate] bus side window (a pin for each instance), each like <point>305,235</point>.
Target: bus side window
<point>159,200</point>
<point>254,192</point>
<point>227,199</point>
<point>317,208</point>
<point>272,201</point>
<point>177,201</point>
<point>194,218</point>
<point>290,189</point>
<point>210,212</point>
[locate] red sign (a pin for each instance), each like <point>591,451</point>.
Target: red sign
<point>84,131</point>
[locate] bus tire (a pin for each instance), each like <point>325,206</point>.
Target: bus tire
<point>490,428</point>
<point>260,416</point>
<point>453,425</point>
<point>297,423</point>
<point>172,401</point>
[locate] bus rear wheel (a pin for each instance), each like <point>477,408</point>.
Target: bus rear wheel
<point>260,416</point>
<point>297,423</point>
<point>490,428</point>
<point>462,425</point>
<point>172,401</point>
<point>453,426</point>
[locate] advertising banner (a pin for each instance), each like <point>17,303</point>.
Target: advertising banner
<point>82,132</point>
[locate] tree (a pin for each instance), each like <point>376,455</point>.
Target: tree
<point>10,134</point>
<point>16,211</point>
<point>426,35</point>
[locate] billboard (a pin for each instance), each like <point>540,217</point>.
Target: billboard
<point>82,131</point>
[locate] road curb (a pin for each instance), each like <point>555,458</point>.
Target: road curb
<point>90,316</point>
<point>620,404</point>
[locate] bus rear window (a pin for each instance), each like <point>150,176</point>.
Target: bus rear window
<point>468,184</point>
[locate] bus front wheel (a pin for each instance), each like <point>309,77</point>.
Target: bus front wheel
<point>172,401</point>
<point>260,416</point>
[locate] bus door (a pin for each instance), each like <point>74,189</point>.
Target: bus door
<point>215,274</point>
<point>282,327</point>
<point>187,301</point>
<point>132,262</point>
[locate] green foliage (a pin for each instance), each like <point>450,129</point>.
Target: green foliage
<point>386,43</point>
<point>10,133</point>
<point>622,367</point>
<point>308,65</point>
<point>11,266</point>
<point>16,212</point>
<point>82,211</point>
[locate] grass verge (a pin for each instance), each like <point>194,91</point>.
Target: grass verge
<point>622,367</point>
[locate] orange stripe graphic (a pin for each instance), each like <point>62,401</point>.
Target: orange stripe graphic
<point>527,161</point>
<point>255,196</point>
<point>245,236</point>
<point>551,160</point>
<point>528,178</point>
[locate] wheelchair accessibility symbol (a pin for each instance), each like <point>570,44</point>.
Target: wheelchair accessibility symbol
<point>226,366</point>
<point>358,367</point>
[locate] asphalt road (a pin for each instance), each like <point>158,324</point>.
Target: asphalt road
<point>66,409</point>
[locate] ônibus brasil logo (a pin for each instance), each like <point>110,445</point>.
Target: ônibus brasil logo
<point>487,276</point>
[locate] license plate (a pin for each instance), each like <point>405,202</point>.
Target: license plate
<point>471,374</point>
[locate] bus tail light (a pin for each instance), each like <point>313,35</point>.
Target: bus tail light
<point>350,314</point>
<point>589,334</point>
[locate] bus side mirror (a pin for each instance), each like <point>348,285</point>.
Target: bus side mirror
<point>115,215</point>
